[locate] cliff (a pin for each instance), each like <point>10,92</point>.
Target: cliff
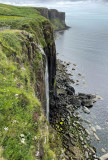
<point>57,18</point>
<point>26,45</point>
<point>26,40</point>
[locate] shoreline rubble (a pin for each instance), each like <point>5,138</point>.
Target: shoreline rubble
<point>74,135</point>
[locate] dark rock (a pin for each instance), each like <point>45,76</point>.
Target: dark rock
<point>75,101</point>
<point>87,99</point>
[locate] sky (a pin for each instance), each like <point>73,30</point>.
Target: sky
<point>47,3</point>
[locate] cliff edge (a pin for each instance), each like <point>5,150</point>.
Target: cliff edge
<point>26,42</point>
<point>56,18</point>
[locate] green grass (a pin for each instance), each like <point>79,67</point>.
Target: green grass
<point>17,98</point>
<point>22,124</point>
<point>23,18</point>
<point>57,24</point>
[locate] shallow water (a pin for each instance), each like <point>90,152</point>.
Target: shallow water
<point>86,44</point>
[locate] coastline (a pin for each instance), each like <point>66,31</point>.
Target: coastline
<point>75,137</point>
<point>62,29</point>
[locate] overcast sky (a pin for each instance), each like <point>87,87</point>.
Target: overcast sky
<point>46,3</point>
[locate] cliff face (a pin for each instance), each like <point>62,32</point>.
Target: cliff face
<point>24,129</point>
<point>54,14</point>
<point>51,55</point>
<point>57,18</point>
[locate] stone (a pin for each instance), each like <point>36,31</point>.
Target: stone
<point>81,138</point>
<point>104,157</point>
<point>79,74</point>
<point>87,99</point>
<point>93,129</point>
<point>87,131</point>
<point>87,121</point>
<point>103,150</point>
<point>86,155</point>
<point>92,150</point>
<point>98,127</point>
<point>86,110</point>
<point>85,146</point>
<point>73,69</point>
<point>75,101</point>
<point>97,138</point>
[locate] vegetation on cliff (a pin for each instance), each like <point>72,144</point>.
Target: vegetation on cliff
<point>56,18</point>
<point>24,131</point>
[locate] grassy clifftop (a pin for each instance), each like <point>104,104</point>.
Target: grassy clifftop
<point>24,131</point>
<point>23,18</point>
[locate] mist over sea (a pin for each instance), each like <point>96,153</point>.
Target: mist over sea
<point>86,44</point>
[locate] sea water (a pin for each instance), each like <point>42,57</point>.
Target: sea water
<point>86,44</point>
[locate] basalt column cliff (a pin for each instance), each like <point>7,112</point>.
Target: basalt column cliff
<point>57,18</point>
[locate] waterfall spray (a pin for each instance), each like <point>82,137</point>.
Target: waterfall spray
<point>47,89</point>
<point>46,82</point>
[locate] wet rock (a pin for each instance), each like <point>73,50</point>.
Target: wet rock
<point>70,88</point>
<point>104,157</point>
<point>103,150</point>
<point>87,132</point>
<point>85,146</point>
<point>73,69</point>
<point>87,103</point>
<point>87,121</point>
<point>86,155</point>
<point>72,142</point>
<point>69,92</point>
<point>92,150</point>
<point>79,74</point>
<point>98,127</point>
<point>86,110</point>
<point>68,63</point>
<point>75,101</point>
<point>81,138</point>
<point>93,129</point>
<point>87,99</point>
<point>97,138</point>
<point>77,84</point>
<point>77,80</point>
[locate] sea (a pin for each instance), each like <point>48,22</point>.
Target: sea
<point>85,45</point>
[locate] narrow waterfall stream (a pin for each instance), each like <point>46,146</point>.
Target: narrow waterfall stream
<point>46,82</point>
<point>47,89</point>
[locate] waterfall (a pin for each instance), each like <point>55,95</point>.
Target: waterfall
<point>47,89</point>
<point>46,82</point>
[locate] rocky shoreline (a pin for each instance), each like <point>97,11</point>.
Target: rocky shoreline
<point>75,138</point>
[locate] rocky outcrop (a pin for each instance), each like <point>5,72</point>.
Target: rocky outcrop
<point>75,138</point>
<point>57,18</point>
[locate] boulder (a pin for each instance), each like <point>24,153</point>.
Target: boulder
<point>104,157</point>
<point>75,101</point>
<point>87,99</point>
<point>86,110</point>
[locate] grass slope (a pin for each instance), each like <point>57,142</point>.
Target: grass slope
<point>24,132</point>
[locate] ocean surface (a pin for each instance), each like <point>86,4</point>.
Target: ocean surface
<point>86,45</point>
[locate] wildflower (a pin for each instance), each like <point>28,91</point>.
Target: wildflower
<point>22,87</point>
<point>14,121</point>
<point>16,95</point>
<point>22,135</point>
<point>4,78</point>
<point>35,138</point>
<point>6,128</point>
<point>22,32</point>
<point>23,140</point>
<point>37,153</point>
